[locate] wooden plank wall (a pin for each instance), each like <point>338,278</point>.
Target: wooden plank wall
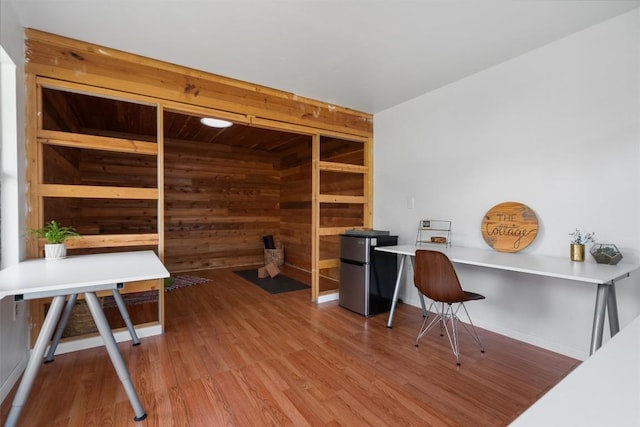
<point>65,165</point>
<point>219,198</point>
<point>219,202</point>
<point>295,206</point>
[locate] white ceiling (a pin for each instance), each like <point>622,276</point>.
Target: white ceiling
<point>368,55</point>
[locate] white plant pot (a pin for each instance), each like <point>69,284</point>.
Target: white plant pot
<point>55,251</point>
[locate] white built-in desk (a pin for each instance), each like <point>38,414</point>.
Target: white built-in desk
<point>603,391</point>
<point>602,276</point>
<point>87,274</point>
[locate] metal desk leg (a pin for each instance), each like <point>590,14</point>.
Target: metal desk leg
<point>125,316</point>
<point>35,360</point>
<point>396,290</point>
<point>612,310</point>
<point>602,296</point>
<point>61,325</point>
<point>114,354</point>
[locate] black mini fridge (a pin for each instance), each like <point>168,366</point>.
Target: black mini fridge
<point>367,277</point>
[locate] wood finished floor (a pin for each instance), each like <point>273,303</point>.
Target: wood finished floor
<point>233,355</point>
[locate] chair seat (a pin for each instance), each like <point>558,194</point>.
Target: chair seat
<point>472,296</point>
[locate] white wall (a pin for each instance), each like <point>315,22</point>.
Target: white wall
<point>13,326</point>
<point>557,129</point>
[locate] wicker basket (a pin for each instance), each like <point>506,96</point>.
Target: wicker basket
<point>275,256</point>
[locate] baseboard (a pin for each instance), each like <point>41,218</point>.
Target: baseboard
<point>13,378</point>
<point>328,297</point>
<point>96,341</point>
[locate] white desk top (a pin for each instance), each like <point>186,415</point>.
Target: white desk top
<point>78,273</point>
<point>543,265</point>
<point>602,391</point>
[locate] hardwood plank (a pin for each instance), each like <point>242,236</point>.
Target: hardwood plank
<point>233,354</point>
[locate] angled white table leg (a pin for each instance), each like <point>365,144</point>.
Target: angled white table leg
<point>114,354</point>
<point>396,291</point>
<point>125,316</point>
<point>602,294</point>
<point>61,325</point>
<point>67,314</point>
<point>35,360</point>
<point>612,310</point>
<point>394,302</point>
<point>606,303</point>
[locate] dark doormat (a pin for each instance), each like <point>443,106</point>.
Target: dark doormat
<point>273,285</point>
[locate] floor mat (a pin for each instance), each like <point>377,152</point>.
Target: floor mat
<point>273,285</point>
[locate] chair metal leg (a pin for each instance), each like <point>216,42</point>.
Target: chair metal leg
<point>448,320</point>
<point>442,317</point>
<point>473,331</point>
<point>426,327</point>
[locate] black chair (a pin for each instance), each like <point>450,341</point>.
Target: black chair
<point>435,278</point>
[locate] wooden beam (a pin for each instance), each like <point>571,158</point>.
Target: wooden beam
<point>333,198</point>
<point>112,240</point>
<point>62,58</point>
<point>97,192</point>
<point>328,263</point>
<point>333,231</point>
<point>342,167</point>
<point>97,142</point>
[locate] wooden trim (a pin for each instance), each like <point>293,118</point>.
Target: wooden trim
<point>92,142</point>
<point>346,134</point>
<point>343,167</point>
<point>182,108</point>
<point>71,86</point>
<point>97,192</point>
<point>112,240</point>
<point>315,218</point>
<point>332,231</point>
<point>34,166</point>
<point>333,198</point>
<point>161,221</point>
<point>368,185</point>
<point>328,263</point>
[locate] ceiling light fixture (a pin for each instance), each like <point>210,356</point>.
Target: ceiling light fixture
<point>215,123</point>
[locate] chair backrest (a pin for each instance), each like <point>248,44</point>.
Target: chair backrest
<point>436,278</point>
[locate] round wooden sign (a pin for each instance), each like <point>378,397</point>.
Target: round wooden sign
<point>509,227</point>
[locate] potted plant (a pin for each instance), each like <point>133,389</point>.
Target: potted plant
<point>56,235</point>
<point>578,240</point>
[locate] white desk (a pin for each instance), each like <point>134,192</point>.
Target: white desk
<point>88,274</point>
<point>602,391</point>
<point>600,275</point>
